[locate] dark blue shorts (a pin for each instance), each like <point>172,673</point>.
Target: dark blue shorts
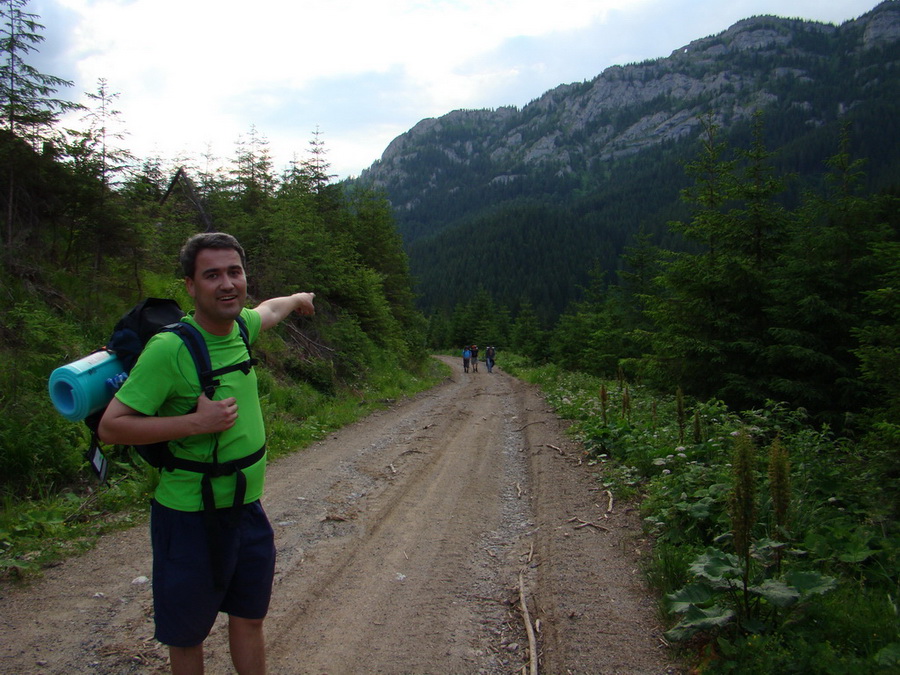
<point>185,600</point>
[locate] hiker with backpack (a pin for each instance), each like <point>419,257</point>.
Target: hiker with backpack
<point>489,355</point>
<point>213,546</point>
<point>467,356</point>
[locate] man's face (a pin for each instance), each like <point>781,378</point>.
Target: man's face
<point>219,289</point>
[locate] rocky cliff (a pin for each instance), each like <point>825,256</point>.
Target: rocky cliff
<point>761,63</point>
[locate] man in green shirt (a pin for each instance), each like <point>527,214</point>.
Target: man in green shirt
<point>162,401</point>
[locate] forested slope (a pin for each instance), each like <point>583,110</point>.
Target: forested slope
<point>586,166</point>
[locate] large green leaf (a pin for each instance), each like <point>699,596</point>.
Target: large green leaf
<point>692,594</point>
<point>889,655</point>
<point>700,510</point>
<point>777,592</point>
<point>856,554</point>
<point>697,619</point>
<point>716,565</point>
<point>810,583</point>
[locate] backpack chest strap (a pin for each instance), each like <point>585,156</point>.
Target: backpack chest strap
<point>215,469</point>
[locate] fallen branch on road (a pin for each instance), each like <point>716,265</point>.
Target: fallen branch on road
<point>585,523</point>
<point>530,423</point>
<point>532,640</point>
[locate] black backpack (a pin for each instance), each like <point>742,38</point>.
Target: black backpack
<point>129,337</point>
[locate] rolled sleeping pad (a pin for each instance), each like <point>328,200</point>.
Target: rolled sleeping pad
<point>80,388</point>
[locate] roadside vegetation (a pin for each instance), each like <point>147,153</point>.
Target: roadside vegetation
<point>776,541</point>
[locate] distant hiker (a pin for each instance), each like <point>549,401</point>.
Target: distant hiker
<point>213,545</point>
<point>489,355</point>
<point>467,355</point>
<point>475,358</point>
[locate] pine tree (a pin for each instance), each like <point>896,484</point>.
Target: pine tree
<point>27,111</point>
<point>253,175</point>
<point>527,336</point>
<point>27,105</point>
<point>100,141</point>
<point>818,294</point>
<point>710,315</point>
<point>316,164</point>
<point>691,308</point>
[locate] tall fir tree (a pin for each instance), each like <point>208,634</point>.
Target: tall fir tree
<point>28,109</point>
<point>819,287</point>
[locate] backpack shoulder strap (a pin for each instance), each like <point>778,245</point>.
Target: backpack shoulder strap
<point>196,347</point>
<point>243,366</point>
<point>199,352</point>
<point>245,336</point>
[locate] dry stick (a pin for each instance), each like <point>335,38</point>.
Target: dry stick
<point>610,508</point>
<point>530,423</point>
<point>585,523</point>
<point>72,516</point>
<point>532,641</point>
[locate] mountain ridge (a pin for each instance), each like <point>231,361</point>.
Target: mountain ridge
<point>448,172</point>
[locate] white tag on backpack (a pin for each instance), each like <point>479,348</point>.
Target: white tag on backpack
<point>98,462</point>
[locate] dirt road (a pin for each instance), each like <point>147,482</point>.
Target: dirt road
<point>402,541</point>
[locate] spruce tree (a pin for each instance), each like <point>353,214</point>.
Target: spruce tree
<point>830,263</point>
<point>28,109</point>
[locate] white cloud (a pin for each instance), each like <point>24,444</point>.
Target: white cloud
<point>198,72</point>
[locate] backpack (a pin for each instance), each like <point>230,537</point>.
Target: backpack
<point>129,337</point>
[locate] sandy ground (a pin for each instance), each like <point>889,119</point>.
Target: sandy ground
<point>405,543</point>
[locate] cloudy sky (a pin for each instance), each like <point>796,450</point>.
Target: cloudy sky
<point>194,76</point>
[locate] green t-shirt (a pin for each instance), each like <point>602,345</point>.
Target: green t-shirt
<point>164,382</point>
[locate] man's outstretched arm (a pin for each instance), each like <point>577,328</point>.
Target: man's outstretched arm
<point>274,310</point>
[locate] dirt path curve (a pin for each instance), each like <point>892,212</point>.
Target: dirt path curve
<point>401,540</point>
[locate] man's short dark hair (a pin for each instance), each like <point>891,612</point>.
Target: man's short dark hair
<point>204,240</point>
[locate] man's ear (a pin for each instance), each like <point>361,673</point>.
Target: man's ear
<point>189,286</point>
